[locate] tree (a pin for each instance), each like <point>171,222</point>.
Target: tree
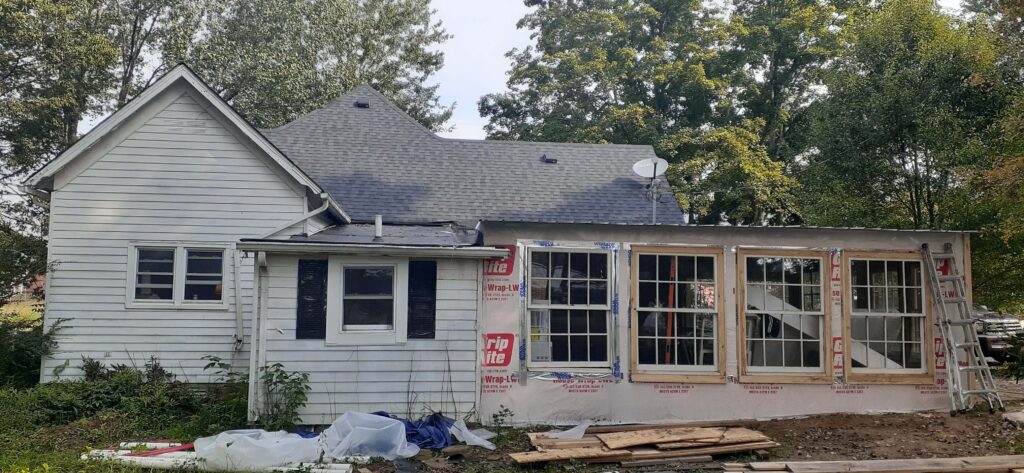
<point>730,177</point>
<point>52,63</point>
<point>273,60</point>
<point>911,101</point>
<point>778,50</point>
<point>644,72</point>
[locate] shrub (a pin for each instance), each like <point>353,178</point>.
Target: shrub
<point>23,344</point>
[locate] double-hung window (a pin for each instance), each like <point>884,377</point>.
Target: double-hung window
<point>676,310</point>
<point>887,315</point>
<point>162,275</point>
<point>367,301</point>
<point>785,319</point>
<point>569,305</point>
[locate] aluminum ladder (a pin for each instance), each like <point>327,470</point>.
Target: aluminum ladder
<point>971,381</point>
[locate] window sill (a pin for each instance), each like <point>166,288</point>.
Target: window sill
<point>662,377</point>
<point>172,306</point>
<point>364,338</point>
<point>569,369</point>
<point>785,378</point>
<point>890,378</point>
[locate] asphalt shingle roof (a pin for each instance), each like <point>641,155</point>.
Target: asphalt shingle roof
<point>378,160</point>
<point>445,235</point>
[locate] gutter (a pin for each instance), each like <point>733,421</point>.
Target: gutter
<point>473,252</point>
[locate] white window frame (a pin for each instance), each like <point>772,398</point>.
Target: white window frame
<point>822,313</point>
<point>336,333</point>
<point>713,368</point>
<point>177,300</point>
<point>607,308</point>
<point>922,316</point>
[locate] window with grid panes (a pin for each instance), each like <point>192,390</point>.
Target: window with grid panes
<point>887,315</point>
<point>569,307</point>
<point>677,311</point>
<point>784,316</point>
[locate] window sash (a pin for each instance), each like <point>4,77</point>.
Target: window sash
<point>604,306</point>
<point>350,327</point>
<point>885,285</point>
<point>712,311</point>
<point>180,277</point>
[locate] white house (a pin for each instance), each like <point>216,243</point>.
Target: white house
<point>411,273</point>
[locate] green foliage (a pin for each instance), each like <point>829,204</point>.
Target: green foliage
<point>274,60</point>
<point>911,101</point>
<point>1014,365</point>
<point>23,344</point>
<point>284,393</point>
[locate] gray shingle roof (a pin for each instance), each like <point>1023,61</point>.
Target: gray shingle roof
<point>378,160</point>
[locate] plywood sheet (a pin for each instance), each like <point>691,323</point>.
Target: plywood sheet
<point>616,440</point>
<point>569,454</point>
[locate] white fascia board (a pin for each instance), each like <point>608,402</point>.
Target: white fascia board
<point>475,252</point>
<point>182,72</point>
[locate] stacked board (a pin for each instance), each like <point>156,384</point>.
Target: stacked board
<point>644,445</point>
<point>992,464</point>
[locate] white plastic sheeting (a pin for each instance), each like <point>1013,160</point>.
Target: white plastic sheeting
<point>356,433</point>
<point>254,450</point>
<point>472,437</point>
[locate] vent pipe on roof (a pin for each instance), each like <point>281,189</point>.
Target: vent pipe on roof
<point>362,103</point>
<point>378,226</point>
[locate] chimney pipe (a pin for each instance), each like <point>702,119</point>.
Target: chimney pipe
<point>378,226</point>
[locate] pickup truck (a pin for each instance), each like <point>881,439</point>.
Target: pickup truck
<point>995,331</point>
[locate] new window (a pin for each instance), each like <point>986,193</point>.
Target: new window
<point>162,275</point>
<point>785,320</point>
<point>569,307</point>
<point>368,302</point>
<point>887,317</point>
<point>677,311</point>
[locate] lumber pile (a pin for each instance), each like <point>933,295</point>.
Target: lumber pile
<point>644,445</point>
<point>992,464</point>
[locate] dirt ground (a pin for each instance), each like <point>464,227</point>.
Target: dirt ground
<point>826,437</point>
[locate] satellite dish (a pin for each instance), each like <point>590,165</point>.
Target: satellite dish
<point>650,168</point>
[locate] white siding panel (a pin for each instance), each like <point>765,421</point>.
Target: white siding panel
<point>408,379</point>
<point>180,176</point>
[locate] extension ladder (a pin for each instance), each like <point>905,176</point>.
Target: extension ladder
<point>971,380</point>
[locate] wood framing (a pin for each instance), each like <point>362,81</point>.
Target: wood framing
<point>681,376</point>
<point>927,351</point>
<point>825,376</point>
<point>968,279</point>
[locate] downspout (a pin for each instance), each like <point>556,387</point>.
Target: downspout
<point>239,322</point>
<point>308,215</point>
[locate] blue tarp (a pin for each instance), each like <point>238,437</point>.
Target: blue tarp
<point>429,432</point>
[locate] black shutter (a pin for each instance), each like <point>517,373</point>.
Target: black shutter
<point>422,298</point>
<point>311,310</point>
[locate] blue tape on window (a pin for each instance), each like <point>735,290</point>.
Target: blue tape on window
<point>561,375</point>
<point>617,368</point>
<point>522,289</point>
<point>615,304</point>
<point>522,350</point>
<point>629,257</point>
<point>548,243</point>
<point>605,245</point>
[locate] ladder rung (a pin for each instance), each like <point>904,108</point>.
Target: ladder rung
<point>979,391</point>
<point>954,300</point>
<point>942,255</point>
<point>967,344</point>
<point>959,322</point>
<point>949,277</point>
<point>972,368</point>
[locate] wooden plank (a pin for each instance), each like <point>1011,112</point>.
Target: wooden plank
<point>768,466</point>
<point>731,436</point>
<point>653,453</point>
<point>617,440</point>
<point>667,461</point>
<point>607,429</point>
<point>569,454</point>
<point>542,442</point>
<point>1001,463</point>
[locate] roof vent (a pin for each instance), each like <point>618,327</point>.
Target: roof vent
<point>362,103</point>
<point>546,160</point>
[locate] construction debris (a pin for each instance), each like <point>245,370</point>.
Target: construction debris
<point>992,464</point>
<point>644,445</point>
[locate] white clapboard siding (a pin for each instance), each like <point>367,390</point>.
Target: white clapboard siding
<point>410,379</point>
<point>180,176</point>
